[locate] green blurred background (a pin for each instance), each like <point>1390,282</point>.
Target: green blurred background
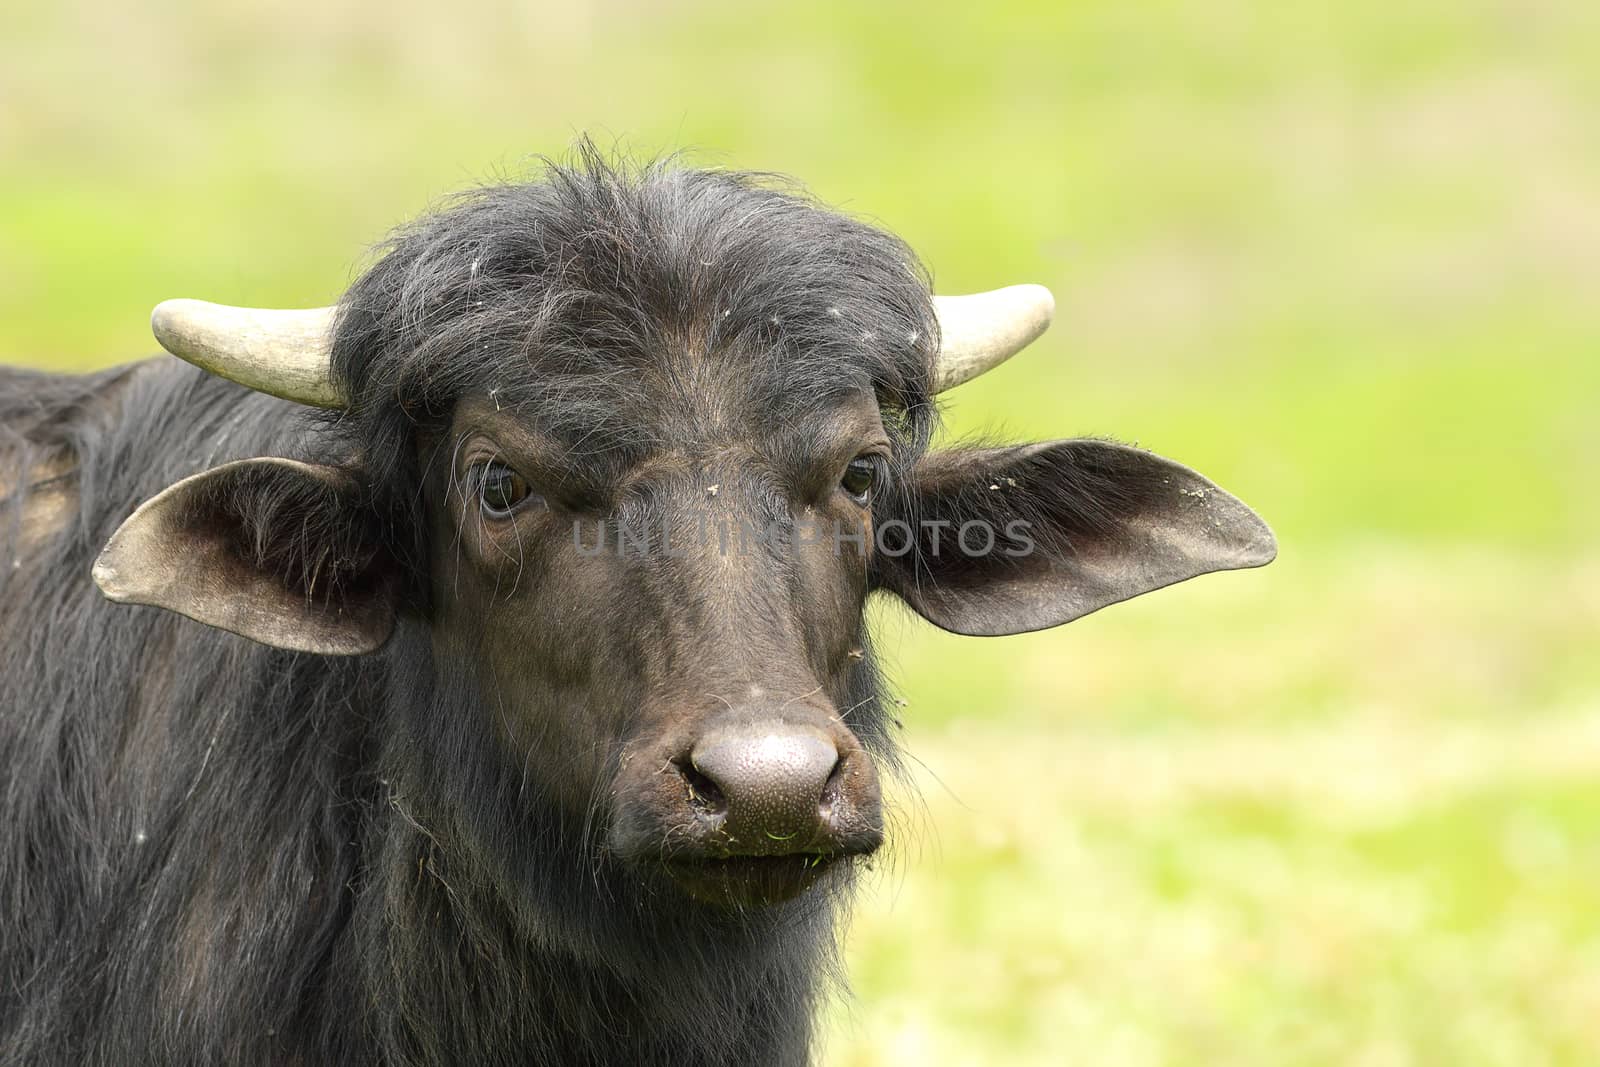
<point>1343,258</point>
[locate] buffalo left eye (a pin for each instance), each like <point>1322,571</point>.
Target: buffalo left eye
<point>859,478</point>
<point>500,489</point>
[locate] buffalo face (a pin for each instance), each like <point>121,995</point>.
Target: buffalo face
<point>676,637</point>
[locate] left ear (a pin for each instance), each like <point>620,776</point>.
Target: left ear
<point>275,550</point>
<point>1007,540</point>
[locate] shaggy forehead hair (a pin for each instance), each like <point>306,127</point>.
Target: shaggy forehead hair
<point>606,298</point>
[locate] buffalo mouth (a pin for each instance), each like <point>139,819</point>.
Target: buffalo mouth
<point>751,881</point>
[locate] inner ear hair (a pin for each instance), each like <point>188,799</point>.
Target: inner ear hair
<point>275,550</point>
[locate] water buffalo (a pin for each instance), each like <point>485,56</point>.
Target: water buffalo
<point>511,701</point>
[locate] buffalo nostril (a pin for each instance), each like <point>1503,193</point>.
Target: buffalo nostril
<point>831,788</point>
<point>772,780</point>
<point>705,796</point>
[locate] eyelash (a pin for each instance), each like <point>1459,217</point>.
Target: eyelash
<point>871,467</point>
<point>508,488</point>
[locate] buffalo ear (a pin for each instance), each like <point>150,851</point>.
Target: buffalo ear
<point>1075,526</point>
<point>271,549</point>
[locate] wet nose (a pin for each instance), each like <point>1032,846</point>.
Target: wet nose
<point>773,783</point>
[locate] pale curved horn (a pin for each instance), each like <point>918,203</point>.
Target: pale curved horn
<point>285,353</point>
<point>983,330</point>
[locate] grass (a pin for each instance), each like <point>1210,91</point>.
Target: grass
<point>1365,839</point>
<point>1343,260</point>
<point>1347,892</point>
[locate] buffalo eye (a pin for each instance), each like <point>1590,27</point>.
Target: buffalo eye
<point>500,489</point>
<point>859,478</point>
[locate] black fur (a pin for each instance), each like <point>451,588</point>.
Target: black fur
<point>213,851</point>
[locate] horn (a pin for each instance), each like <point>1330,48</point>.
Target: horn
<point>982,331</point>
<point>285,353</point>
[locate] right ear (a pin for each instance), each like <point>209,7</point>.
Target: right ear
<point>275,550</point>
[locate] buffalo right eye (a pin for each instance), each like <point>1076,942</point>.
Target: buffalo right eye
<point>500,489</point>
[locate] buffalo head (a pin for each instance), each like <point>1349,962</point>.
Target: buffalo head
<point>626,455</point>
